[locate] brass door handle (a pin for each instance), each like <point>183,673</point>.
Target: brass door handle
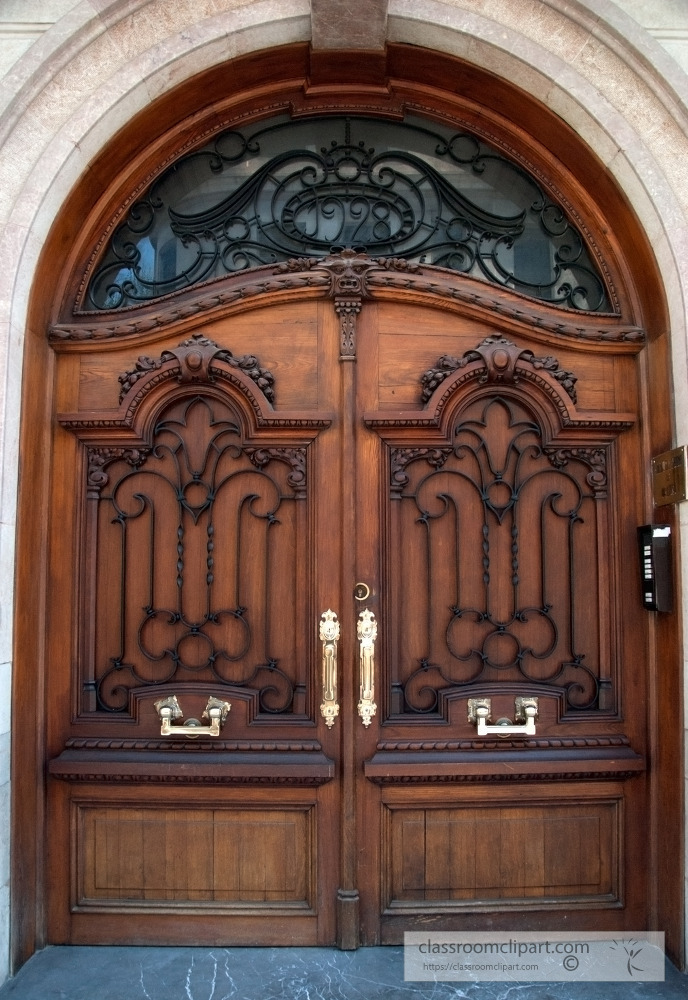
<point>329,636</point>
<point>169,710</point>
<point>525,714</point>
<point>367,634</point>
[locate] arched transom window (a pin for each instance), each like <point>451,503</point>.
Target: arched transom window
<point>285,188</point>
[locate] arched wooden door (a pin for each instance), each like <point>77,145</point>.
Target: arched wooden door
<point>351,500</point>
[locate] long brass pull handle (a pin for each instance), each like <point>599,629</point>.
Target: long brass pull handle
<point>367,634</point>
<point>329,636</point>
<point>525,714</point>
<point>169,710</point>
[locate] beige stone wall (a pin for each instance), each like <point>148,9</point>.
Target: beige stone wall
<point>73,71</point>
<point>24,21</point>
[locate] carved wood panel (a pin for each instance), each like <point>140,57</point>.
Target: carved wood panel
<point>193,527</point>
<point>504,521</point>
<point>196,560</point>
<point>506,548</point>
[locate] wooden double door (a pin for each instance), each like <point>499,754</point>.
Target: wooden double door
<point>351,518</point>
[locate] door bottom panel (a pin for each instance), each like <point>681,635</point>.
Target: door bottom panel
<point>482,855</point>
<point>163,856</point>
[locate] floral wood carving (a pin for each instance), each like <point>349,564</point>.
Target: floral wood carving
<point>294,457</point>
<point>500,357</point>
<point>99,458</point>
<point>401,457</point>
<point>195,356</point>
<point>595,458</point>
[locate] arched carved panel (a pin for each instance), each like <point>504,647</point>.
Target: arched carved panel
<point>505,521</point>
<point>195,511</point>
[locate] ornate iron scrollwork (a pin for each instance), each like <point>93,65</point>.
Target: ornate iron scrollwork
<point>297,189</point>
<point>198,500</point>
<point>471,515</point>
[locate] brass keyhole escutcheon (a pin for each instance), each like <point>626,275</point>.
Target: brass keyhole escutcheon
<point>361,591</point>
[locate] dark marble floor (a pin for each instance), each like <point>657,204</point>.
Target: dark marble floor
<point>279,974</point>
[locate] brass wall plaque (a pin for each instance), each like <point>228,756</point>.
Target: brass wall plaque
<point>669,477</point>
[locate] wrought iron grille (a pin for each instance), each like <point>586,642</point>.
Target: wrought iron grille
<point>196,541</point>
<point>501,537</point>
<point>285,189</point>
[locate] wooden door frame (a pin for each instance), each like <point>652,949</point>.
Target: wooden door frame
<point>371,83</point>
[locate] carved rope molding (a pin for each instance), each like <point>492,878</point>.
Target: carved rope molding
<point>347,278</point>
<point>194,746</point>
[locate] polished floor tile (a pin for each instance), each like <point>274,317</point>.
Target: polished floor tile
<point>279,974</point>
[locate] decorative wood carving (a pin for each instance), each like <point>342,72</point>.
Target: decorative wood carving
<point>347,310</point>
<point>222,777</point>
<point>428,776</point>
<point>349,273</point>
<point>509,759</point>
<point>372,278</point>
<point>548,743</point>
<point>543,508</point>
<point>500,358</point>
<point>194,746</point>
<point>166,504</point>
<point>194,357</point>
<point>295,458</point>
<point>595,458</point>
<point>198,456</point>
<point>100,458</point>
<point>400,458</point>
